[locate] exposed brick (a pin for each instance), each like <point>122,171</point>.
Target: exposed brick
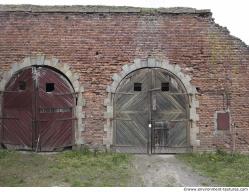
<point>96,45</point>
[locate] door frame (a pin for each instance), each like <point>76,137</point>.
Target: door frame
<point>152,63</point>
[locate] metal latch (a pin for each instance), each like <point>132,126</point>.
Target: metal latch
<point>154,102</point>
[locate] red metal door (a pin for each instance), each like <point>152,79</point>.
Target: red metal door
<point>17,111</point>
<point>37,111</point>
<point>54,110</point>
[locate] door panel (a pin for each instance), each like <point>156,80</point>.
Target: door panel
<point>131,113</point>
<point>55,110</point>
<point>169,117</point>
<point>18,112</point>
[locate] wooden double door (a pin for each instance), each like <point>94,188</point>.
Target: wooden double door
<point>37,112</point>
<point>151,113</point>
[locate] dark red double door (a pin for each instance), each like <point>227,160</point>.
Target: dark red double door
<point>37,111</point>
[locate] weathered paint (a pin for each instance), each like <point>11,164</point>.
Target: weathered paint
<point>17,129</point>
<point>150,120</point>
<point>35,119</point>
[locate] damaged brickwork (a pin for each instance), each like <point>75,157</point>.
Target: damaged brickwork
<point>97,42</point>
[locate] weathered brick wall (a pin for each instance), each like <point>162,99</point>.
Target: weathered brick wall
<point>97,45</point>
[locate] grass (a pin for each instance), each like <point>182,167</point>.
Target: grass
<point>70,168</point>
<point>231,170</point>
<point>99,169</point>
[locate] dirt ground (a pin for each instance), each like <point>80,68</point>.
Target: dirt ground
<point>165,171</point>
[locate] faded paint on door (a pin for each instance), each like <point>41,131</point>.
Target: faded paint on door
<point>131,113</point>
<point>38,111</point>
<point>18,111</point>
<point>54,110</point>
<point>153,119</point>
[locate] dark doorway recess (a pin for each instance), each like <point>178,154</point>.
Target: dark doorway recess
<point>151,113</point>
<point>37,111</point>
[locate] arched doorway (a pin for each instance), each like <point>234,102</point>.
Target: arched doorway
<point>151,113</point>
<point>38,104</point>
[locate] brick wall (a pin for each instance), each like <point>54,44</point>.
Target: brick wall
<point>98,44</point>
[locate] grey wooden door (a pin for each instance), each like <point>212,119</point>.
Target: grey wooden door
<point>169,114</point>
<point>150,113</point>
<point>132,113</point>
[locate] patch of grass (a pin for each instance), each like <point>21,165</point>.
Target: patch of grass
<point>76,184</point>
<point>96,169</point>
<point>226,169</point>
<point>13,180</point>
<point>70,168</point>
<point>4,153</point>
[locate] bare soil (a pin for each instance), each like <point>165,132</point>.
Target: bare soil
<point>165,171</point>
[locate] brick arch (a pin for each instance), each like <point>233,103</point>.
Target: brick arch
<point>152,63</point>
<point>65,69</point>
